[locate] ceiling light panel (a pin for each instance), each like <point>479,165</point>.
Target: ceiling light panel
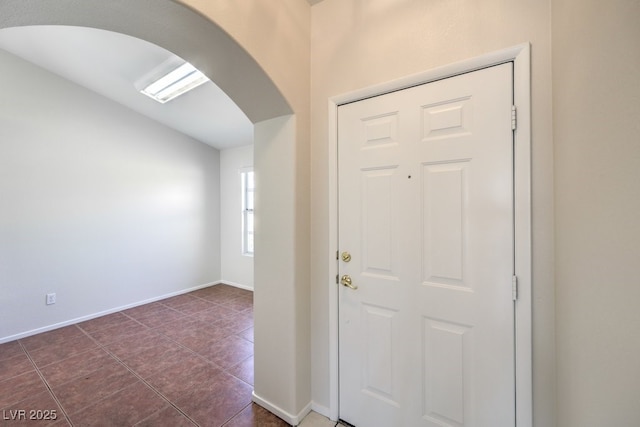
<point>181,80</point>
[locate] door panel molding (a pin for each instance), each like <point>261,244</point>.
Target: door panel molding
<point>520,56</point>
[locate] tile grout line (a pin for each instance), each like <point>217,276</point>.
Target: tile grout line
<point>145,382</point>
<point>120,361</point>
<point>195,354</point>
<point>46,383</point>
<point>184,347</point>
<point>236,414</point>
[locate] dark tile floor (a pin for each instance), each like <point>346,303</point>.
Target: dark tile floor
<point>182,361</point>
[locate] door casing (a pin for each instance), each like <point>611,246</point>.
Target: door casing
<point>520,56</point>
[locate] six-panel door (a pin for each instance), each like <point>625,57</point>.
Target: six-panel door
<point>426,212</point>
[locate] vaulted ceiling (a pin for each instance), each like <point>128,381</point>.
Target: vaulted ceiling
<point>116,65</point>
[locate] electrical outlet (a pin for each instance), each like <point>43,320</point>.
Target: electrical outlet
<point>51,299</point>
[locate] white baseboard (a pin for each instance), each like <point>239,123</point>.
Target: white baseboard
<point>101,313</point>
<point>235,285</point>
<point>294,420</point>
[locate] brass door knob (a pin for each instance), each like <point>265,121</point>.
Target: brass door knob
<point>346,281</point>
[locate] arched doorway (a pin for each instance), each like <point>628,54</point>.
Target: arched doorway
<point>282,307</point>
<point>175,28</point>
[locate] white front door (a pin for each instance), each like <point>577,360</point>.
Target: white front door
<point>426,330</point>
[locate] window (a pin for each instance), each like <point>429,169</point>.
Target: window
<point>247,211</point>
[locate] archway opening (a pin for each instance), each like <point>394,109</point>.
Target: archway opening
<point>281,372</point>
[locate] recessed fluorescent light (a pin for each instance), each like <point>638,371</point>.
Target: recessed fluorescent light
<point>181,80</point>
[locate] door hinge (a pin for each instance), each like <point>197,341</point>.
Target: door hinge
<point>337,279</point>
<point>337,254</point>
<point>514,117</point>
<point>514,287</point>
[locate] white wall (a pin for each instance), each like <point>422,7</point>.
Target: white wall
<point>237,269</point>
<point>97,203</point>
<point>356,44</point>
<point>596,104</point>
<point>281,304</point>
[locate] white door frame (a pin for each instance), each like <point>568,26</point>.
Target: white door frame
<point>520,56</point>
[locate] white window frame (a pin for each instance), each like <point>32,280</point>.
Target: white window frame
<point>248,229</point>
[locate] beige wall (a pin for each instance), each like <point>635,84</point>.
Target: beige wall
<point>596,103</point>
<point>275,34</point>
<point>356,44</point>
